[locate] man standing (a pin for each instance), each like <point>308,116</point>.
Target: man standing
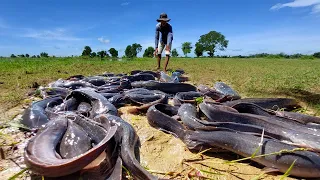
<point>166,39</point>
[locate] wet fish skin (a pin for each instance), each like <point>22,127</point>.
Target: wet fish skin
<point>98,102</point>
<point>130,145</point>
<point>144,96</point>
<point>291,117</point>
<point>291,132</point>
<point>226,90</point>
<point>69,104</point>
<point>139,77</point>
<point>35,115</point>
<point>307,163</point>
<point>119,100</point>
<point>53,91</point>
<point>187,97</point>
<point>40,155</point>
<point>215,95</point>
<point>244,107</point>
<point>84,108</point>
<point>303,118</point>
<point>157,118</point>
<point>74,142</point>
<point>109,95</point>
<point>117,171</point>
<point>170,88</point>
<point>188,115</point>
<point>268,103</point>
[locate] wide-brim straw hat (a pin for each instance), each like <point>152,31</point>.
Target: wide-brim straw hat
<point>163,17</point>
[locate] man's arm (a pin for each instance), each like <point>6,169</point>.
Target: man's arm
<point>157,37</point>
<point>170,36</point>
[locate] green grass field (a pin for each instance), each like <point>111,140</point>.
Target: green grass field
<point>296,78</point>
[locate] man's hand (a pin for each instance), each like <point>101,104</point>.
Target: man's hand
<point>156,52</point>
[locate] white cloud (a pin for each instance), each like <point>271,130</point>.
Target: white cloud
<point>316,9</point>
<point>105,41</point>
<point>125,3</point>
<point>59,34</point>
<point>299,3</point>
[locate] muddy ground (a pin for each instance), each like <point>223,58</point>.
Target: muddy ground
<point>161,153</point>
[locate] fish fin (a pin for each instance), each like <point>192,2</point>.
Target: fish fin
<point>268,170</point>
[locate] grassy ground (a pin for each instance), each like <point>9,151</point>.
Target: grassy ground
<point>250,77</point>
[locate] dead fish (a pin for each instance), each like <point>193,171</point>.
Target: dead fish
<point>186,97</point>
<point>160,118</point>
<point>109,95</point>
<point>69,104</point>
<point>117,171</point>
<point>119,100</point>
<point>99,103</point>
<point>299,117</point>
<point>53,91</point>
<point>307,164</point>
<point>35,115</point>
<point>268,103</point>
<point>226,90</point>
<point>205,90</point>
<point>84,108</point>
<point>299,135</point>
<point>170,88</point>
<point>74,142</point>
<point>188,115</point>
<point>41,157</point>
<point>130,145</point>
<point>139,77</point>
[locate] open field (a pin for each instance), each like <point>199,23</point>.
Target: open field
<point>298,79</point>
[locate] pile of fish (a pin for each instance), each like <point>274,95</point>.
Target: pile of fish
<point>79,132</point>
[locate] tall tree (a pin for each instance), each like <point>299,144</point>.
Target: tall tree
<point>198,50</point>
<point>13,56</point>
<point>186,48</point>
<point>135,48</point>
<point>316,55</point>
<point>93,54</point>
<point>149,52</point>
<point>213,41</point>
<point>44,54</point>
<point>174,53</point>
<point>27,55</point>
<point>128,51</point>
<point>113,52</point>
<point>102,54</point>
<point>87,51</point>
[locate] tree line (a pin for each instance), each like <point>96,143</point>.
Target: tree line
<point>42,54</point>
<point>208,43</point>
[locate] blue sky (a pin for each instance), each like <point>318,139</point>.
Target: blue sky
<point>63,28</point>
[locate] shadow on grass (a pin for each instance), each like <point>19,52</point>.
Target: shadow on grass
<point>310,98</point>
